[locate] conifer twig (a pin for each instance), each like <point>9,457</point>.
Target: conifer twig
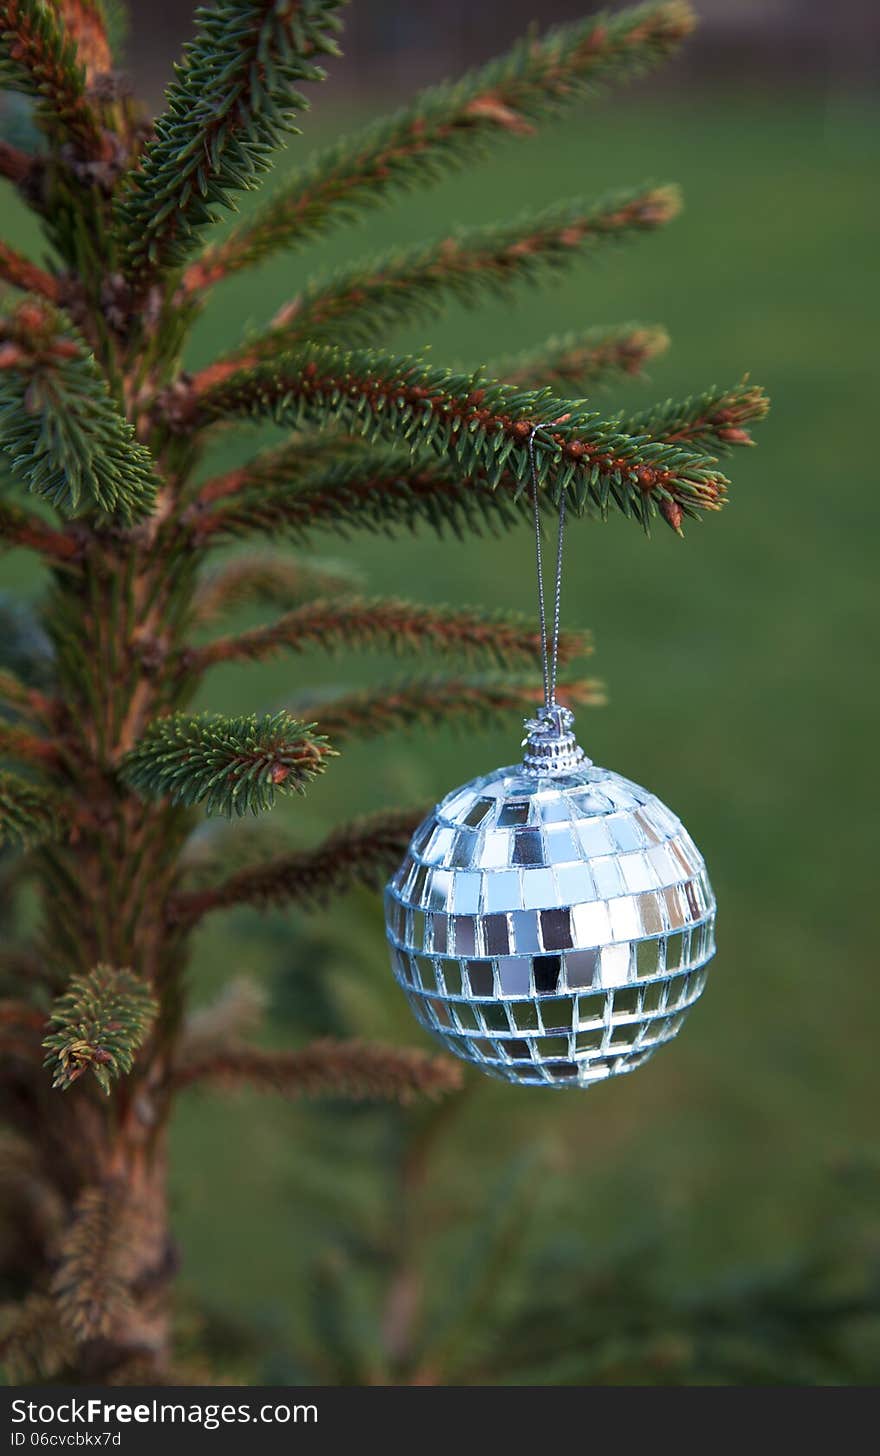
<point>475,702</point>
<point>450,125</point>
<point>480,424</point>
<point>59,424</point>
<point>27,700</point>
<point>19,271</point>
<point>101,1020</point>
<point>233,766</point>
<point>377,490</point>
<point>29,814</point>
<point>35,1344</point>
<point>90,1284</point>
<point>27,747</point>
<point>38,57</point>
<point>86,26</point>
<point>393,290</point>
<point>576,362</point>
<point>355,1070</point>
<point>230,106</point>
<point>20,527</point>
<point>400,626</point>
<point>715,420</point>
<point>381,489</point>
<point>361,853</point>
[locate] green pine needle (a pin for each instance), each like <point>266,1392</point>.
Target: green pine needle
<point>378,489</point>
<point>233,766</point>
<point>61,429</point>
<point>714,420</point>
<point>231,105</point>
<point>102,1020</point>
<point>29,815</point>
<point>91,26</point>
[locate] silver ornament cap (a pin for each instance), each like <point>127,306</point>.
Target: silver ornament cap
<point>551,921</point>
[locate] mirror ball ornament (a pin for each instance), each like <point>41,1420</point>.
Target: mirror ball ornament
<point>552,921</point>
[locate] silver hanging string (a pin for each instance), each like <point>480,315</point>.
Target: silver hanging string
<point>550,744</point>
<point>549,658</point>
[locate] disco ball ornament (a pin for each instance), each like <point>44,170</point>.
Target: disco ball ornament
<point>552,921</point>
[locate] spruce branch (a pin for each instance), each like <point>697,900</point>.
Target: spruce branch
<point>233,766</point>
<point>27,747</point>
<point>34,1344</point>
<point>476,702</point>
<point>66,438</point>
<point>286,489</point>
<point>20,527</point>
<point>232,103</point>
<point>361,853</point>
<point>86,25</point>
<point>102,1020</point>
<point>405,285</point>
<point>16,693</point>
<point>366,488</point>
<point>477,423</point>
<point>91,1282</point>
<point>15,165</point>
<point>29,814</point>
<point>576,362</point>
<point>714,420</point>
<point>396,625</point>
<point>375,490</point>
<point>449,126</point>
<point>20,272</point>
<point>355,1070</point>
<point>268,579</point>
<point>382,489</point>
<point>38,57</point>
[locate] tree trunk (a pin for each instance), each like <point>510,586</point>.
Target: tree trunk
<point>134,1343</point>
<point>104,892</point>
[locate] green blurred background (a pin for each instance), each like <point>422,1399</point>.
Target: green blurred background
<point>710,1217</point>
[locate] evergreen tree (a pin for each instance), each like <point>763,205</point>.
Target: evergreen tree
<point>105,768</point>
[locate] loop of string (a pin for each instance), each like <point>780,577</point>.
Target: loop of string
<point>549,655</point>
